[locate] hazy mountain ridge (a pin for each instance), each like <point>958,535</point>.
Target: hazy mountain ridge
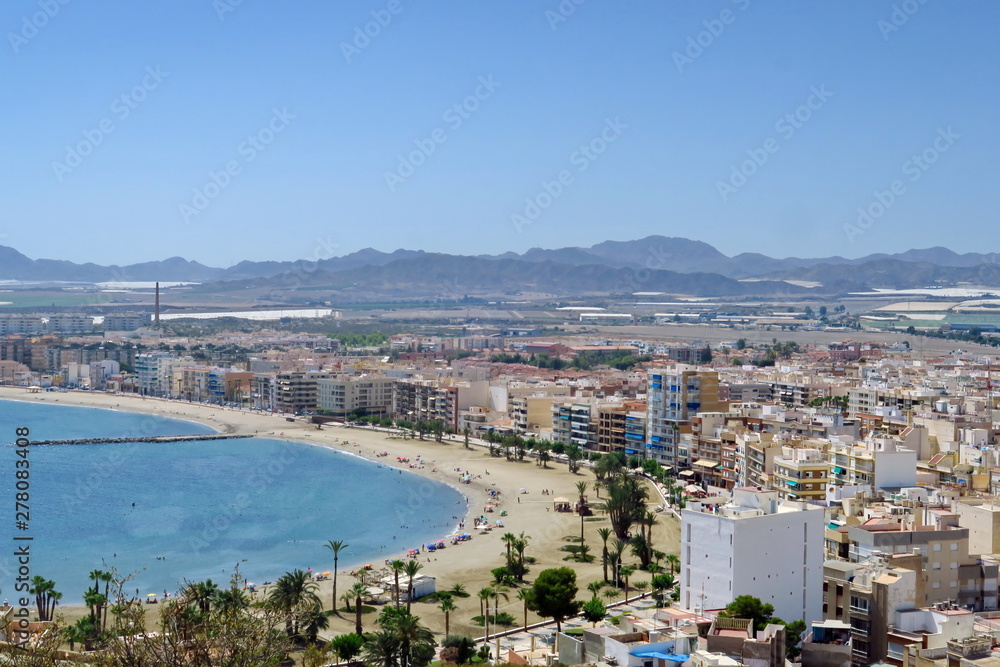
<point>655,263</point>
<point>454,277</point>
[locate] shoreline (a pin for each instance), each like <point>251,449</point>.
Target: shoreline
<point>468,563</point>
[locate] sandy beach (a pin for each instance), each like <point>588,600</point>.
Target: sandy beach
<point>468,563</point>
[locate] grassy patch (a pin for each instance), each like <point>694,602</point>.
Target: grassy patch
<point>503,618</point>
<point>365,609</point>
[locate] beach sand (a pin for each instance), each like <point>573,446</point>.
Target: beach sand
<point>468,563</point>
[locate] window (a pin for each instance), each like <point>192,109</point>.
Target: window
<point>954,546</point>
<point>936,566</point>
<point>937,547</point>
<point>936,584</point>
<point>954,566</point>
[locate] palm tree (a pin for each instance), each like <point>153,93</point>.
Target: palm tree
<point>581,488</point>
<point>82,631</point>
<point>520,544</point>
<point>409,633</point>
<point>77,632</point>
<point>293,590</point>
<point>595,587</point>
<point>100,601</point>
<point>625,572</point>
<point>411,568</point>
<point>674,561</point>
<point>604,534</point>
<point>397,566</point>
<point>46,596</point>
<point>458,590</point>
<point>95,602</point>
<point>484,596</point>
<point>336,546</point>
<point>400,641</point>
<point>543,454</point>
<point>231,600</point>
<point>508,540</point>
<point>348,598</point>
<point>625,497</point>
<point>447,606</point>
<point>381,649</point>
<point>313,620</point>
<point>524,595</point>
<point>495,595</point>
<point>643,542</point>
<point>359,591</point>
<point>617,549</point>
<point>202,594</point>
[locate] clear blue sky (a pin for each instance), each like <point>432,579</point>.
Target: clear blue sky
<point>319,188</point>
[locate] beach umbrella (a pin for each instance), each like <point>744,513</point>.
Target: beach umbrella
<point>325,574</point>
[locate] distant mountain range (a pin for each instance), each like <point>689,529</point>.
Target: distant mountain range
<point>655,263</point>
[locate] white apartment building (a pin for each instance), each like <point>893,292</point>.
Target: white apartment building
<point>20,324</point>
<point>69,324</point>
<point>366,393</point>
<point>755,545</point>
<point>153,373</point>
<point>882,462</point>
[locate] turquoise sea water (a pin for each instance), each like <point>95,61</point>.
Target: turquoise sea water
<point>192,510</point>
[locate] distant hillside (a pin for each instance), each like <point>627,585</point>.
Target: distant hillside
<point>454,277</point>
<point>655,263</point>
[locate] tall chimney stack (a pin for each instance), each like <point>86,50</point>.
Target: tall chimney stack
<point>156,311</point>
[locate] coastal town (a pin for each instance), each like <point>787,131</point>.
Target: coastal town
<point>450,334</point>
<point>848,488</point>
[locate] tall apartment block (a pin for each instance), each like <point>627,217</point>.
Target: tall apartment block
<point>674,396</point>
